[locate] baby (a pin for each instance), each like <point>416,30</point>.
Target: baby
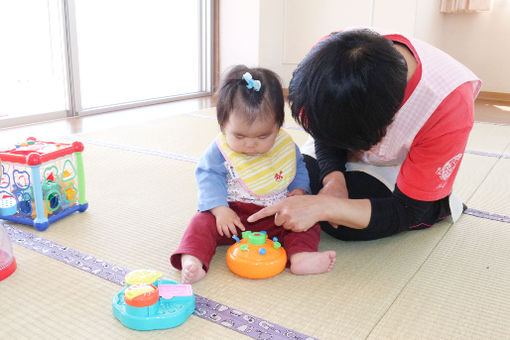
<point>251,164</point>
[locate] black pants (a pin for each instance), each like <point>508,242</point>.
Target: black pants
<point>390,215</point>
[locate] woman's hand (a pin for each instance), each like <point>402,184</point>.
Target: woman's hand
<point>333,184</point>
<point>300,213</point>
<point>226,221</point>
<point>296,192</point>
<point>296,213</point>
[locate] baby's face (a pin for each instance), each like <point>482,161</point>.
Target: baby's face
<point>251,139</point>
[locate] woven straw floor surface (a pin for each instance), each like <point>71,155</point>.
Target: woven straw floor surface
<point>450,281</point>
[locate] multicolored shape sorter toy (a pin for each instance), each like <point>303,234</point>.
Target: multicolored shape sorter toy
<point>147,302</point>
<point>45,180</point>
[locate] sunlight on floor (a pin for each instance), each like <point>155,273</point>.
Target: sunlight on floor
<point>503,108</point>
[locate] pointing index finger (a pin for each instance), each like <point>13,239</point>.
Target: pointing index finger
<point>265,212</point>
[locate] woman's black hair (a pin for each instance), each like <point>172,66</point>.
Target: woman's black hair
<point>233,94</point>
<point>348,88</point>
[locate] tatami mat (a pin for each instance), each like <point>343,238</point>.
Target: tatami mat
<point>187,134</point>
<point>46,299</point>
<point>182,134</point>
<point>366,279</point>
<point>472,173</point>
<point>461,292</point>
<point>490,138</point>
<point>494,194</point>
<point>140,203</point>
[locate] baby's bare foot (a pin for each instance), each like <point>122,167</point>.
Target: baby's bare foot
<point>312,262</point>
<point>192,270</point>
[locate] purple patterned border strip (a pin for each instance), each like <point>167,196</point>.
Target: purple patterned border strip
<point>74,258</point>
<point>492,123</point>
<point>179,157</point>
<point>198,115</point>
<point>137,149</point>
<point>485,154</point>
<point>243,323</point>
<point>487,215</point>
<point>207,309</point>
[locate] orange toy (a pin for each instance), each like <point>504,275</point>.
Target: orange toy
<point>256,257</point>
<point>141,295</point>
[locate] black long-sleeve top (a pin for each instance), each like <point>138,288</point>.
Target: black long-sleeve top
<point>390,214</point>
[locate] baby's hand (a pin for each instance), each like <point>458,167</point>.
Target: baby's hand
<point>226,221</point>
<point>296,192</point>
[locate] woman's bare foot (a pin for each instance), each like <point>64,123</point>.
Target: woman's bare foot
<point>312,262</point>
<point>192,270</point>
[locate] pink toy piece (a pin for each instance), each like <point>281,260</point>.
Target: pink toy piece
<point>168,291</point>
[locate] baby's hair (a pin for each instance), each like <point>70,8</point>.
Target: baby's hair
<point>234,94</point>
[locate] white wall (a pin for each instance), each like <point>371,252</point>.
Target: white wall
<point>239,33</point>
<point>481,41</point>
<point>397,15</point>
<point>281,32</point>
<point>289,28</point>
<point>304,22</point>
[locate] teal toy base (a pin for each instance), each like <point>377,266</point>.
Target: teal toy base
<point>162,315</point>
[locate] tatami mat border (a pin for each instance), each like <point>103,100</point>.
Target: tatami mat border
<point>185,158</point>
<point>214,117</point>
<point>290,127</point>
<point>171,155</point>
<point>488,154</point>
<point>487,215</point>
<point>492,123</point>
<point>198,115</point>
<point>206,309</point>
<point>134,148</point>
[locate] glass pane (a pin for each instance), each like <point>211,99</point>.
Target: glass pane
<point>131,50</point>
<point>32,68</point>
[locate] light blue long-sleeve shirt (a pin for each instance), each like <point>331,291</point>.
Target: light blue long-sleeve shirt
<point>211,176</point>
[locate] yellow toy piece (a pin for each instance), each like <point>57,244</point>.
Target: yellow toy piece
<point>142,276</point>
<point>136,290</point>
<point>47,212</point>
<point>70,193</point>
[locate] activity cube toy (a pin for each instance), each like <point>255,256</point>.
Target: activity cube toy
<point>147,302</point>
<point>43,180</point>
<point>256,257</point>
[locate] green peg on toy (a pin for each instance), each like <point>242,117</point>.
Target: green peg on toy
<point>257,238</point>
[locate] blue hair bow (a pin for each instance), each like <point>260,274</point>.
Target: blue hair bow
<point>252,83</point>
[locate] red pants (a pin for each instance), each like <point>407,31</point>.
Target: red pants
<point>201,237</point>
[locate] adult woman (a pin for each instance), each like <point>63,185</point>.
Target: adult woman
<point>390,116</point>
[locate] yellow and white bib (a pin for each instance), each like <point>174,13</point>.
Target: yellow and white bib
<point>267,174</point>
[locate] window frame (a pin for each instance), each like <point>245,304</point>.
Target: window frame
<point>208,47</point>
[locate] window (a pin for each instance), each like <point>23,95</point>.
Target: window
<point>32,62</point>
<point>74,57</point>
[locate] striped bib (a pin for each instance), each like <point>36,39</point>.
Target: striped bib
<point>266,174</point>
